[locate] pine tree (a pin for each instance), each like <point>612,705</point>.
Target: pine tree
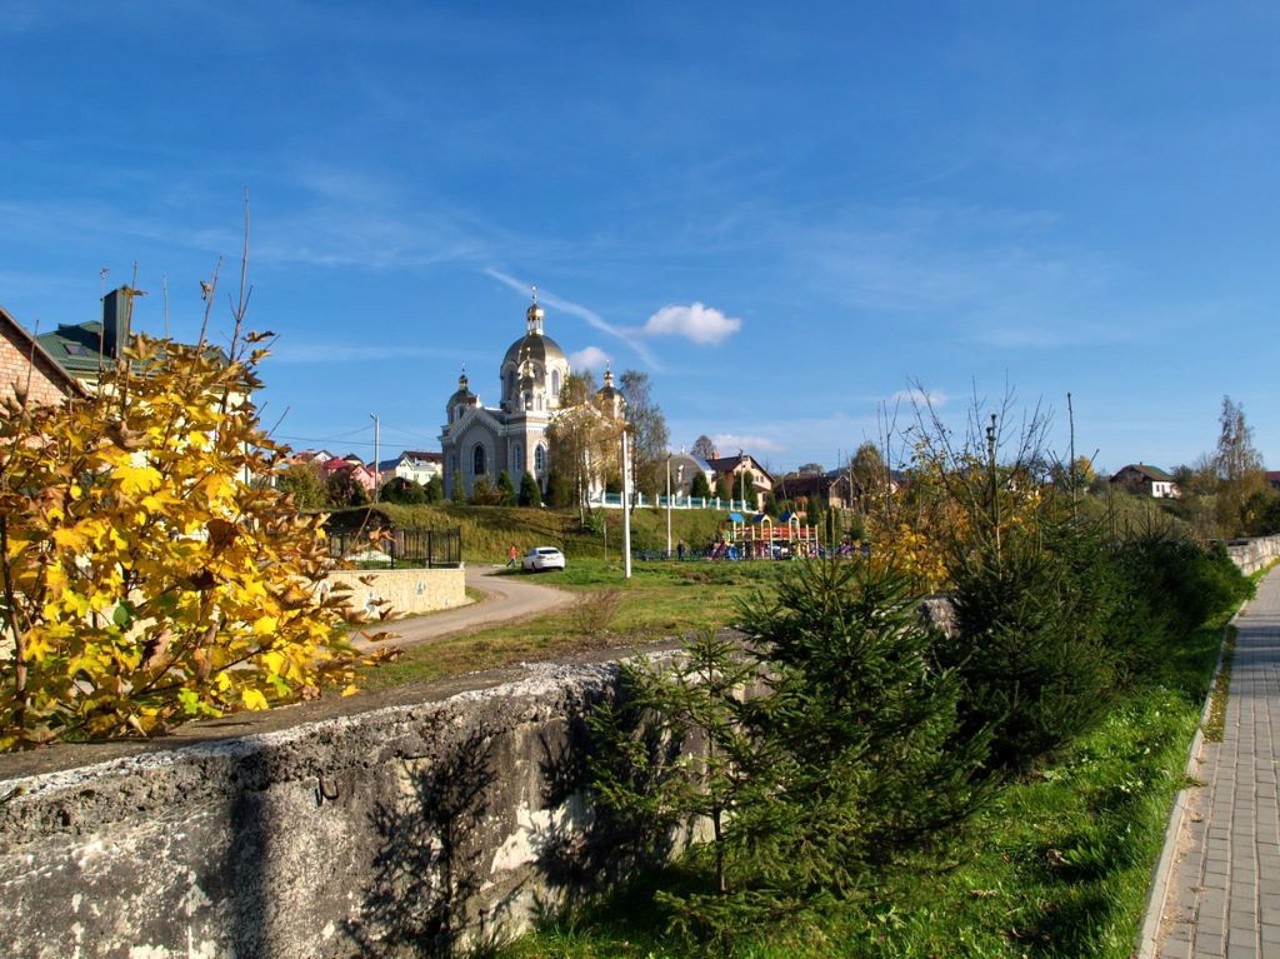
<point>506,490</point>
<point>530,495</point>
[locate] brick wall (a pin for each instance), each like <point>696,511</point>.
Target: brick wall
<point>16,368</point>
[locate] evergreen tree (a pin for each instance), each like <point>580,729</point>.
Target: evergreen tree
<point>699,487</point>
<point>559,490</point>
<point>530,495</point>
<point>435,489</point>
<point>506,490</point>
<point>458,494</point>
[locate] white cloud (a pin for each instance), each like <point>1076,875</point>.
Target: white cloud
<point>592,358</point>
<point>699,323</point>
<point>915,396</point>
<point>728,444</point>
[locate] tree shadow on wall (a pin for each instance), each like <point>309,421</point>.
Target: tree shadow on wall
<point>426,866</point>
<point>592,846</point>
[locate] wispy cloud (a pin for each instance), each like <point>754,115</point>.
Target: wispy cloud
<point>698,323</point>
<point>592,318</point>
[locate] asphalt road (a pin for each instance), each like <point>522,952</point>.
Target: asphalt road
<point>507,599</point>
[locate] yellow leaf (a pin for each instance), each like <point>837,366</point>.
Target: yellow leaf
<point>137,479</point>
<point>253,699</point>
<point>68,537</point>
<point>265,625</point>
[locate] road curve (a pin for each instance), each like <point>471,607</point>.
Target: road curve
<point>507,599</point>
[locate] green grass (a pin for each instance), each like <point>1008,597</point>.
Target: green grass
<point>661,600</point>
<point>489,531</point>
<point>1058,866</point>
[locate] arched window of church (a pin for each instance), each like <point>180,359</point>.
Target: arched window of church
<point>540,459</point>
<point>477,461</point>
<point>517,458</point>
<point>555,382</point>
<point>511,383</point>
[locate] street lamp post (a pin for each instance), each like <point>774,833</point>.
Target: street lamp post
<point>668,506</point>
<point>626,507</point>
<point>377,473</point>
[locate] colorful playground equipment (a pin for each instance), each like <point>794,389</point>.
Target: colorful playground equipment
<point>760,537</point>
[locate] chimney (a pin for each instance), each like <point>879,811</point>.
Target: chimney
<point>117,311</point>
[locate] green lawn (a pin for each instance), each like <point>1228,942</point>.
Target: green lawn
<point>661,600</point>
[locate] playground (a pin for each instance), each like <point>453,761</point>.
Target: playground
<point>761,537</point>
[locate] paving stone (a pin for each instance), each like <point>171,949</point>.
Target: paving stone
<point>1229,871</point>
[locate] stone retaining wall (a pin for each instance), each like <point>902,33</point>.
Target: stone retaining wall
<point>409,591</point>
<point>390,832</point>
<point>1252,555</point>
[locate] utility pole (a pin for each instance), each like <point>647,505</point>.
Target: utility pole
<point>377,472</point>
<point>626,507</point>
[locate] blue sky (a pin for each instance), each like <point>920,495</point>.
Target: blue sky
<point>788,215</point>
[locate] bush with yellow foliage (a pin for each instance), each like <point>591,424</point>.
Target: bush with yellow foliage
<point>151,574</point>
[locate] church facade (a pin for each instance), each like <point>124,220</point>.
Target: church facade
<point>478,441</point>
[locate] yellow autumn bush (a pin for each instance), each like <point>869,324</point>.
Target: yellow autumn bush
<point>151,574</point>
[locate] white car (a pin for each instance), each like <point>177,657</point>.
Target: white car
<point>543,557</point>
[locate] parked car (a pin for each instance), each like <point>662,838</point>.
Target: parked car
<point>543,557</point>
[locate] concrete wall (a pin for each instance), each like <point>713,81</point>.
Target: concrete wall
<point>384,833</point>
<point>1252,555</point>
<point>409,591</point>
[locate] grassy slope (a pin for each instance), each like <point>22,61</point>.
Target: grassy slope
<point>489,531</point>
<point>1059,866</point>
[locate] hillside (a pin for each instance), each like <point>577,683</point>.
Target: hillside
<point>489,531</point>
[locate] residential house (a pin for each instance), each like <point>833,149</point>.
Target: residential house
<point>739,468</point>
<point>26,368</point>
<point>830,488</point>
<point>416,466</point>
<point>1149,480</point>
<point>85,350</point>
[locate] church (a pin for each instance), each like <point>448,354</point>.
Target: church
<point>479,441</point>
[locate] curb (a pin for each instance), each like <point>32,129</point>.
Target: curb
<point>1162,872</point>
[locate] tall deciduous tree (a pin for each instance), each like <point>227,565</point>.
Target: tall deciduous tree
<point>305,483</point>
<point>868,477</point>
<point>584,439</point>
<point>650,434</point>
<point>1238,467</point>
<point>704,448</point>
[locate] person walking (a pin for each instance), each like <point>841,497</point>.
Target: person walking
<point>513,554</point>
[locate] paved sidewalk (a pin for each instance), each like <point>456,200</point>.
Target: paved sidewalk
<point>1223,894</point>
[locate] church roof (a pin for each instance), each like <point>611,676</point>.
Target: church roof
<point>534,345</point>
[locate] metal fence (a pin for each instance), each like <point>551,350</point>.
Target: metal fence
<point>428,548</point>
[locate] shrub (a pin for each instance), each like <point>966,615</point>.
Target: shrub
<point>148,578</point>
<point>1035,649</point>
